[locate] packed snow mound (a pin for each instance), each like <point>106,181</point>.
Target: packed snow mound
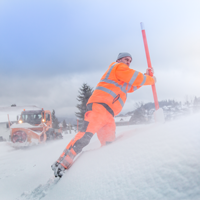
<point>24,125</point>
<point>145,162</point>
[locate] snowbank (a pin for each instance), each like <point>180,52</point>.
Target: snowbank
<point>24,125</point>
<point>146,162</point>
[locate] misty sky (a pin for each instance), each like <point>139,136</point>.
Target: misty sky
<point>48,49</point>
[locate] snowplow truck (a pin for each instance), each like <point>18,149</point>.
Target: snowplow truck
<point>34,127</point>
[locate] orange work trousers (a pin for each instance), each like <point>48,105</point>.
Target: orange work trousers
<point>98,119</point>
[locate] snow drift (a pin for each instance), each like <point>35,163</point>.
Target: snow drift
<point>145,162</point>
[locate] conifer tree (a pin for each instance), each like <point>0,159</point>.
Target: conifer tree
<point>64,124</point>
<point>84,94</point>
<point>55,120</point>
<point>140,115</point>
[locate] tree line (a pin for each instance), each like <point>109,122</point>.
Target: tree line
<point>142,112</point>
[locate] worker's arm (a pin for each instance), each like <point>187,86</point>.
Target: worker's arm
<point>133,77</point>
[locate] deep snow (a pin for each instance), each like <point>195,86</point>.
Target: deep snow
<point>148,162</point>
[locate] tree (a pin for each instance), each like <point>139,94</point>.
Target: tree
<point>140,114</point>
<point>64,124</point>
<point>55,120</point>
<point>84,94</point>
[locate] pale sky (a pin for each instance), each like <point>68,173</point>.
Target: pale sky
<point>48,49</point>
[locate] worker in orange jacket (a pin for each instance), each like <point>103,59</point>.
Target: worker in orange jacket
<point>106,102</point>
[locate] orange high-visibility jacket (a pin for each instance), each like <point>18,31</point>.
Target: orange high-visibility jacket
<point>114,85</point>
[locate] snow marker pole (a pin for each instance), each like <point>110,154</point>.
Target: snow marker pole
<point>158,114</point>
<point>149,64</point>
<point>77,124</point>
<point>8,120</point>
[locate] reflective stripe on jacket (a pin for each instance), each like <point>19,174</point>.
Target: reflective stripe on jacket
<point>114,85</point>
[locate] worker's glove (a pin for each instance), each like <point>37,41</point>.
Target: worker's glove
<point>58,169</point>
<point>150,71</point>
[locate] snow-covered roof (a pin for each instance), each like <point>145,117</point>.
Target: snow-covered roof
<point>122,119</point>
<point>14,112</point>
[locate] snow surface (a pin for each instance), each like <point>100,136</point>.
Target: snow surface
<point>4,131</point>
<point>23,125</point>
<point>146,162</point>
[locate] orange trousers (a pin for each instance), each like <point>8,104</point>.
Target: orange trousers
<point>98,120</point>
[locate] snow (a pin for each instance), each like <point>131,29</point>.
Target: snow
<point>159,116</point>
<point>4,131</point>
<point>23,125</point>
<point>156,161</point>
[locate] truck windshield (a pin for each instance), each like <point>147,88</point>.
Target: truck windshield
<point>32,118</point>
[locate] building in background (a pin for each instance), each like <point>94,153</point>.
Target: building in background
<point>121,121</point>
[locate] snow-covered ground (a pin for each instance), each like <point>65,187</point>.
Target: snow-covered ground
<point>148,162</point>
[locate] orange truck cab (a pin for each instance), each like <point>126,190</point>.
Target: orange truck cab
<point>36,117</point>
